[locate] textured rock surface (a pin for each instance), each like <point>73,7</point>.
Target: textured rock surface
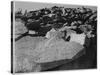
<point>19,28</point>
<point>59,50</point>
<point>30,52</point>
<point>24,58</point>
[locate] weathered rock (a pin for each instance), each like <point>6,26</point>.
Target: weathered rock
<point>31,52</point>
<point>24,58</point>
<point>19,28</point>
<point>59,51</point>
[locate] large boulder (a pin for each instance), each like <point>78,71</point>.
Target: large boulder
<point>19,28</point>
<point>32,52</point>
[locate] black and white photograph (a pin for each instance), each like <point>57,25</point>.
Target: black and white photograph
<point>49,37</point>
